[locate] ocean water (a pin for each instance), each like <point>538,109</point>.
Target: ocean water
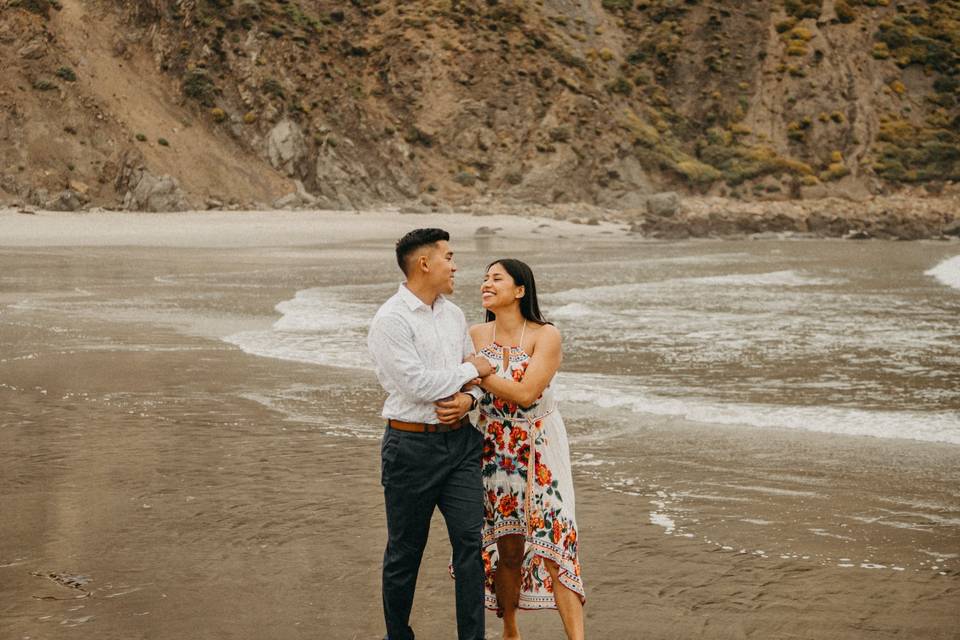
<point>860,340</point>
<point>784,399</point>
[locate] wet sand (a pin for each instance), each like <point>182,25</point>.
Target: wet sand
<point>146,492</point>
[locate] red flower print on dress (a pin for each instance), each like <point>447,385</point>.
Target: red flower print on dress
<point>495,428</point>
<point>517,434</point>
<point>523,455</point>
<point>504,407</point>
<point>506,463</point>
<point>519,371</point>
<point>544,477</point>
<point>489,451</point>
<point>548,584</point>
<point>508,505</point>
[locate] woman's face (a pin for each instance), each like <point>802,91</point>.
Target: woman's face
<point>498,289</point>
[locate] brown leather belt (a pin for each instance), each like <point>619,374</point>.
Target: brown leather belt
<point>421,427</point>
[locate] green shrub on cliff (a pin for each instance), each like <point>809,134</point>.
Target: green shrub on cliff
<point>697,172</point>
<point>845,12</point>
<point>198,85</point>
<point>911,153</point>
<point>802,8</point>
<point>272,87</point>
<point>738,163</point>
<point>785,25</point>
<point>620,85</point>
<point>881,51</point>
<point>67,74</point>
<point>927,35</point>
<point>39,7</point>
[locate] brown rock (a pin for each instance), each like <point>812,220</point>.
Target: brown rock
<point>79,187</point>
<point>33,50</point>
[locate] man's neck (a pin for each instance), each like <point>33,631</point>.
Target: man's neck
<point>426,294</point>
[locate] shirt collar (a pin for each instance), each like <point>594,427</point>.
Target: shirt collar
<point>413,302</point>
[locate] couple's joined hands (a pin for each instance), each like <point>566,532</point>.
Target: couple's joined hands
<point>484,368</point>
<point>451,409</point>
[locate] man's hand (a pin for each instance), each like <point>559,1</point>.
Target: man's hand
<point>484,368</point>
<point>450,410</point>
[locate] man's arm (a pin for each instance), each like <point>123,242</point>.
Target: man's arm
<point>391,343</point>
<point>473,389</point>
<point>451,410</point>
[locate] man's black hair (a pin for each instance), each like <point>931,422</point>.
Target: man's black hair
<point>416,239</point>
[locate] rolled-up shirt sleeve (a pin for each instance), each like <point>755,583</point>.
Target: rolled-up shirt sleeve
<point>391,344</point>
<point>468,350</point>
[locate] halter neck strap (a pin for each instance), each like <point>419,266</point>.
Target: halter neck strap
<point>523,330</point>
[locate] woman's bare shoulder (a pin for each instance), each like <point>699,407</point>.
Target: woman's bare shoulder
<point>545,336</point>
<point>478,329</point>
<point>547,331</point>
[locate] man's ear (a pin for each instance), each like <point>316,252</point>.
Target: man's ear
<point>422,263</point>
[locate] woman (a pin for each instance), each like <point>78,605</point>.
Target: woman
<point>530,533</point>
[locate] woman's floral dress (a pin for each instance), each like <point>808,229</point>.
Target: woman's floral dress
<point>539,506</point>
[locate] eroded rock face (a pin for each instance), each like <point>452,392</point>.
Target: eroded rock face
<point>664,205</point>
<point>33,50</point>
<point>286,148</point>
<point>67,200</point>
<point>152,193</point>
<point>543,183</point>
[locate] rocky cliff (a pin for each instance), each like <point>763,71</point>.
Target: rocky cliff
<point>164,104</point>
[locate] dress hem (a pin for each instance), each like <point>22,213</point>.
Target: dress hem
<point>564,571</point>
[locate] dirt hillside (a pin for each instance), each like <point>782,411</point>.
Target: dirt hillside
<point>163,104</point>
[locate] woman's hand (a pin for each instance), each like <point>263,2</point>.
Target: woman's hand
<point>484,368</point>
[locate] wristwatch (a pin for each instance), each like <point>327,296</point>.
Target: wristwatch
<point>474,400</point>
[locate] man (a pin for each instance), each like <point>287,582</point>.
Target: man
<point>430,456</point>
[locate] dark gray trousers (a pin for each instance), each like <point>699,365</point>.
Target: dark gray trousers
<point>421,471</point>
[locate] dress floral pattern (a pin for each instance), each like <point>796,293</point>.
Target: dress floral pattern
<point>540,505</point>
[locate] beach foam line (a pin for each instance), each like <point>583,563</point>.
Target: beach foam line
<point>947,272</point>
<point>317,326</point>
<point>328,326</point>
<point>622,392</point>
<point>628,291</point>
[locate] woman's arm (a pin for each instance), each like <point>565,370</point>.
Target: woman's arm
<point>541,369</point>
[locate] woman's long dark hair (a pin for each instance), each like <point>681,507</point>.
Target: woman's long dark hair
<point>523,277</point>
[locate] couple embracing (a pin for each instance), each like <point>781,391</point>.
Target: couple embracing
<point>501,481</point>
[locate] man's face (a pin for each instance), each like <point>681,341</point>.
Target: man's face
<point>442,267</point>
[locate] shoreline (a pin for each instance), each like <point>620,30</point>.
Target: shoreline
<point>666,217</point>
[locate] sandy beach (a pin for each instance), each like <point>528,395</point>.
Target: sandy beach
<point>159,479</point>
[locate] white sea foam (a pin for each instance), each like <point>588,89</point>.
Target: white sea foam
<point>947,272</point>
<point>574,311</point>
<point>327,326</point>
<point>629,291</point>
<point>318,326</point>
<point>662,520</point>
<point>624,392</point>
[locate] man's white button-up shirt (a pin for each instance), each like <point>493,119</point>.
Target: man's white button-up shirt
<point>418,353</point>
